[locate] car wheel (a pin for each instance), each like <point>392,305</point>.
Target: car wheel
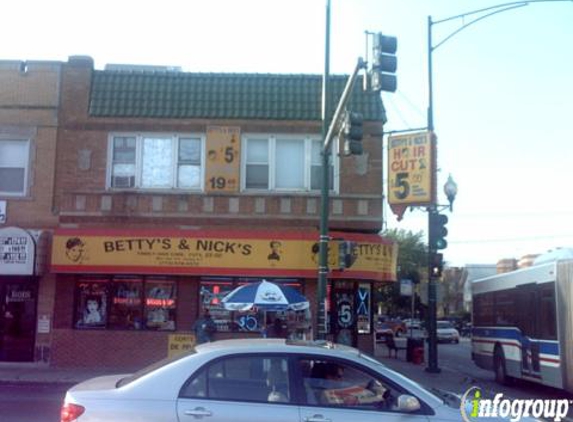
<point>457,341</point>
<point>499,368</point>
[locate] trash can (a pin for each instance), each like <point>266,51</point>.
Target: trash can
<point>413,347</point>
<point>418,355</point>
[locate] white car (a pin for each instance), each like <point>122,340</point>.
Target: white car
<point>256,380</point>
<point>446,332</point>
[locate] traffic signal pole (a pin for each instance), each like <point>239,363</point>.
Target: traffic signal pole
<point>385,81</point>
<point>321,325</point>
<point>324,203</point>
<point>432,294</point>
<point>432,298</point>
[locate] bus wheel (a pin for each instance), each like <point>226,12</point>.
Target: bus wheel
<point>499,367</point>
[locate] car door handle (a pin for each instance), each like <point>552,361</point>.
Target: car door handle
<point>316,418</point>
<point>198,411</point>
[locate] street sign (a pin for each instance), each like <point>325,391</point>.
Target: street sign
<point>440,292</point>
<point>411,170</point>
<point>406,287</point>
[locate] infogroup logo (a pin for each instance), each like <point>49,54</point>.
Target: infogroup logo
<point>475,408</point>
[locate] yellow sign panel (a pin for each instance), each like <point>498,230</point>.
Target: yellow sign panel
<point>179,344</point>
<point>206,252</point>
<point>410,169</point>
<point>223,159</point>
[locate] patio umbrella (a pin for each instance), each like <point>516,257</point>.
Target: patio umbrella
<point>265,296</point>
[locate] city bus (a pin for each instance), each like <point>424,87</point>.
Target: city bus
<point>523,324</point>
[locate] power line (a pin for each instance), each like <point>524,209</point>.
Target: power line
<point>514,239</point>
<point>515,214</point>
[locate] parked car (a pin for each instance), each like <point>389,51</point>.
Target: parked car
<point>258,380</point>
<point>446,332</point>
<point>414,324</point>
<point>386,326</point>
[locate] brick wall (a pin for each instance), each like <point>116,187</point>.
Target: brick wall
<point>121,349</point>
<point>29,97</point>
<point>80,193</point>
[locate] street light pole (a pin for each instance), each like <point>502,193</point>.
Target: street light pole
<point>433,208</point>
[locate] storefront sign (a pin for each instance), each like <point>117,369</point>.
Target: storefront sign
<point>180,343</point>
<point>223,159</point>
<point>17,251</point>
<point>363,308</point>
<point>411,171</point>
<point>292,254</point>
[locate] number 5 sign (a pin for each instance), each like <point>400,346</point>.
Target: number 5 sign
<point>223,159</point>
<point>411,170</point>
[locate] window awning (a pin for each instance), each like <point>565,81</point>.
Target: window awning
<point>23,252</point>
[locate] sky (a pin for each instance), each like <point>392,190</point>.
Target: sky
<point>502,88</point>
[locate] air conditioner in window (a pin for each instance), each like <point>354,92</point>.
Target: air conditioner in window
<point>122,181</point>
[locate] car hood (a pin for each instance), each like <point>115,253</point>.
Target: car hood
<point>447,330</point>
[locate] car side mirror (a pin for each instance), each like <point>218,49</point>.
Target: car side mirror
<point>407,403</point>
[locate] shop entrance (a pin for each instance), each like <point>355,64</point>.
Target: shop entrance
<point>18,297</point>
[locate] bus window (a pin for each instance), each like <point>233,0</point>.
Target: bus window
<point>505,309</point>
<point>548,323</point>
<point>526,301</point>
<point>483,309</point>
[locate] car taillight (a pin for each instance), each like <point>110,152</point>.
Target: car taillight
<point>70,412</point>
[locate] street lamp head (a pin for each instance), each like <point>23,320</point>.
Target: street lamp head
<point>451,190</point>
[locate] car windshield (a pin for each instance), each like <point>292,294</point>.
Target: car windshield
<point>150,368</point>
<point>445,324</point>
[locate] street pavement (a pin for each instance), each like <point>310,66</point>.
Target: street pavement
<point>449,377</point>
<point>457,373</point>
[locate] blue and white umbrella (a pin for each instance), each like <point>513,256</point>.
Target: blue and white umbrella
<point>266,296</point>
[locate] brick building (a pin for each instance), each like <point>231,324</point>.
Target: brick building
<point>173,188</point>
<point>29,98</point>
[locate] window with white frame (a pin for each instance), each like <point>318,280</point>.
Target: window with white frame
<point>152,161</point>
<point>285,163</point>
<point>14,166</point>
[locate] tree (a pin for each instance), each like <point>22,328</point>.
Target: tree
<point>412,264</point>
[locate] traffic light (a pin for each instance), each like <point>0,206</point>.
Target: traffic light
<point>353,133</point>
<point>437,264</point>
<point>384,63</point>
<point>438,231</point>
<point>347,253</point>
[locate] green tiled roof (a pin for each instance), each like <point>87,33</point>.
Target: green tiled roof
<point>222,96</point>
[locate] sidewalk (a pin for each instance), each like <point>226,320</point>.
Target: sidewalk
<point>447,379</point>
<point>33,373</point>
